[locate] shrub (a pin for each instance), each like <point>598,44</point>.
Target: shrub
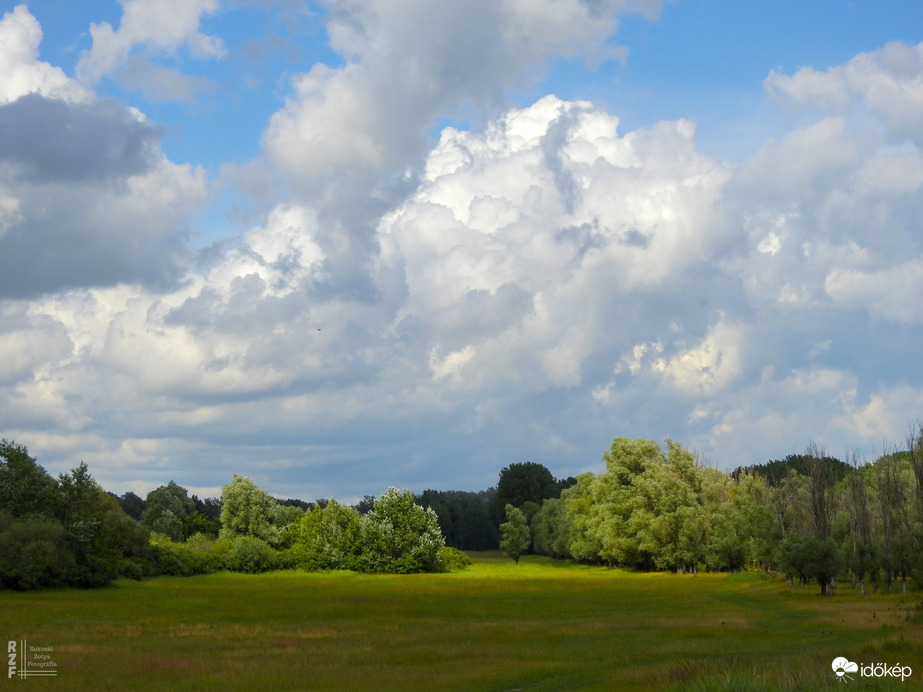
<point>400,536</point>
<point>134,568</point>
<point>327,538</point>
<point>453,559</point>
<point>251,555</point>
<point>208,554</point>
<point>170,558</point>
<point>34,554</point>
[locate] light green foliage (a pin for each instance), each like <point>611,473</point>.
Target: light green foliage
<point>167,509</point>
<point>396,535</point>
<point>581,516</point>
<point>623,506</point>
<point>747,516</point>
<point>327,538</point>
<point>612,512</point>
<point>285,515</point>
<point>725,540</point>
<point>251,555</point>
<point>400,536</point>
<point>550,529</point>
<point>650,510</point>
<point>248,510</point>
<point>453,559</point>
<point>206,554</point>
<point>199,554</point>
<point>514,533</point>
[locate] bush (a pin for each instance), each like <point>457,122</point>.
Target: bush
<point>170,558</point>
<point>326,538</point>
<point>251,555</point>
<point>134,568</point>
<point>34,554</point>
<point>93,571</point>
<point>399,536</point>
<point>123,536</point>
<point>453,559</point>
<point>208,554</point>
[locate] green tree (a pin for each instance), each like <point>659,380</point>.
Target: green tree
<point>650,509</point>
<point>132,505</point>
<point>399,536</point>
<point>80,498</point>
<point>167,510</point>
<point>860,549</point>
<point>621,519</point>
<point>550,530</point>
<point>895,518</point>
<point>464,517</point>
<point>82,506</point>
<point>581,516</point>
<point>825,555</point>
<point>34,554</point>
<point>749,517</point>
<point>328,538</point>
<point>125,544</point>
<point>25,487</point>
<point>523,482</point>
<point>248,510</point>
<point>514,533</point>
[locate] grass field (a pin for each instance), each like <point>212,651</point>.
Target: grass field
<point>538,625</point>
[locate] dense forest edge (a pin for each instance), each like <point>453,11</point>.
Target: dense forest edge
<point>810,518</point>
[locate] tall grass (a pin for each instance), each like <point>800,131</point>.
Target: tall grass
<point>538,625</point>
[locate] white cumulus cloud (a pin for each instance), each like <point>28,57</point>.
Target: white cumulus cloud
<point>159,26</point>
<point>21,72</point>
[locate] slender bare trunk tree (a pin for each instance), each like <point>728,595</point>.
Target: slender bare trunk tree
<point>822,505</point>
<point>860,520</point>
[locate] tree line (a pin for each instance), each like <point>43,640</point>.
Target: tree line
<point>68,532</point>
<point>810,517</point>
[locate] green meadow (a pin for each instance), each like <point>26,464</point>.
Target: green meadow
<point>536,625</point>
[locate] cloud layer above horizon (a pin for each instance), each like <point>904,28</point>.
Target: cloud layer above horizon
<point>420,310</point>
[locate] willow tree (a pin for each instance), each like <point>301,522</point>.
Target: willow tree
<point>248,510</point>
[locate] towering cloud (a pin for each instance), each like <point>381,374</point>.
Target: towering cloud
<point>349,137</point>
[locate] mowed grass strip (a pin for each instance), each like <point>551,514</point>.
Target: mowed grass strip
<point>538,625</point>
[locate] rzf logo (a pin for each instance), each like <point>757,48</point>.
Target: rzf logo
<point>11,650</point>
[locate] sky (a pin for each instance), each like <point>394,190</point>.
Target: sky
<point>341,245</point>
